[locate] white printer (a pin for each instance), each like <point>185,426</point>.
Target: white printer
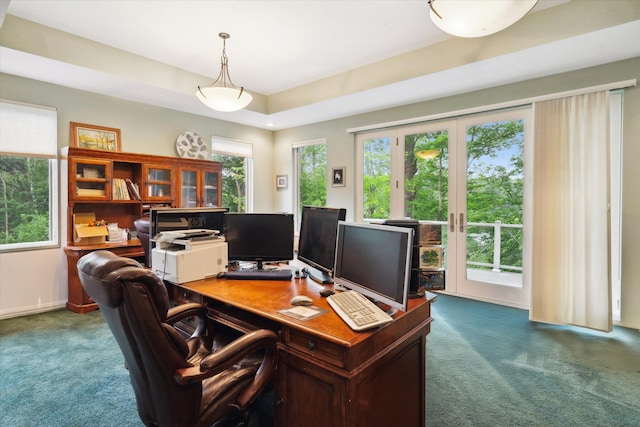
<point>194,257</point>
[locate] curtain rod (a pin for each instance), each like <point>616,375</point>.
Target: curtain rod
<point>509,104</point>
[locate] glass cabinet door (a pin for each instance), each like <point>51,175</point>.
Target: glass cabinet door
<point>210,195</point>
<point>158,183</point>
<point>188,188</point>
<point>90,179</point>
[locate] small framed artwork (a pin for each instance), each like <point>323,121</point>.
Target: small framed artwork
<point>337,176</point>
<point>94,137</point>
<point>282,182</point>
<point>431,257</point>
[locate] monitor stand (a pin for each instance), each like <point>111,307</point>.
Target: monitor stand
<point>319,276</point>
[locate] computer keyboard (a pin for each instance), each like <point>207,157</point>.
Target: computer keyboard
<point>357,311</point>
<point>258,275</point>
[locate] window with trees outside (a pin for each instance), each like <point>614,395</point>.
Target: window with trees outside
<point>310,161</point>
<point>236,157</point>
<point>28,177</point>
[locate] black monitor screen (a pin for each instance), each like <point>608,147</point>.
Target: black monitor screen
<point>317,242</point>
<point>375,260</point>
<point>260,237</point>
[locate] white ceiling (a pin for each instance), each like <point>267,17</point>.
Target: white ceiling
<point>280,45</point>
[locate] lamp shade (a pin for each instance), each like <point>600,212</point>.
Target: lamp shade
<point>224,99</point>
<point>477,18</point>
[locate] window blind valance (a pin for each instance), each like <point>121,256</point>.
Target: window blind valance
<point>28,130</point>
<point>231,147</point>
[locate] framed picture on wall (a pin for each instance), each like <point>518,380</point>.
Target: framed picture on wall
<point>282,181</point>
<point>94,137</point>
<point>337,176</point>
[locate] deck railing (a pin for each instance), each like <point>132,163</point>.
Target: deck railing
<point>497,229</point>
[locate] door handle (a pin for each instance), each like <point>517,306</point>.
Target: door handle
<point>452,222</point>
<point>461,222</point>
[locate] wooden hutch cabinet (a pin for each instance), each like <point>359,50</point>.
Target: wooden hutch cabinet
<point>95,185</point>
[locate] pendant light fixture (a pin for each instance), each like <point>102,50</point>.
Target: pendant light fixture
<point>477,18</point>
<point>222,94</point>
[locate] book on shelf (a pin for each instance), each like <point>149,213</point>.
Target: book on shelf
<point>134,191</point>
<point>90,192</point>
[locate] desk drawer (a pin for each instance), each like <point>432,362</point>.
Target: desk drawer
<point>315,347</point>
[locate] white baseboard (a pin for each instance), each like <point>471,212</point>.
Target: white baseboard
<point>25,311</point>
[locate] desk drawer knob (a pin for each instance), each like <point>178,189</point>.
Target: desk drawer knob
<point>311,345</point>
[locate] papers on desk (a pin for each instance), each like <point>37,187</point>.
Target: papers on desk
<point>302,312</point>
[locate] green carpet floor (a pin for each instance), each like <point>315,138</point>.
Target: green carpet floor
<point>487,365</point>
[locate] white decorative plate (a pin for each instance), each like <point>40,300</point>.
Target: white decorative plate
<point>190,145</point>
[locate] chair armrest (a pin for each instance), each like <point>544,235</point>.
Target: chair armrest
<point>183,311</point>
<point>233,353</point>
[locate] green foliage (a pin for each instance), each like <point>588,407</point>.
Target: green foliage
<point>234,186</point>
<point>494,176</point>
<point>312,175</point>
<point>377,180</point>
<point>24,199</point>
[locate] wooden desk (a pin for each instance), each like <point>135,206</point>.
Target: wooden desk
<point>328,375</point>
<point>78,301</point>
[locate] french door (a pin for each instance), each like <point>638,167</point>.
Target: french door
<point>466,176</point>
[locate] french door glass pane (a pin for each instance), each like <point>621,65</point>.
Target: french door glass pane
<point>377,178</point>
<point>494,176</point>
<point>426,181</point>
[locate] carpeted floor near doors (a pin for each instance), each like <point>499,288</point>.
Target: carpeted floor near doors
<point>488,365</point>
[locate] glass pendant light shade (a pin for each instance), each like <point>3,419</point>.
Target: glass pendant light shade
<point>477,18</point>
<point>224,99</point>
<point>222,94</point>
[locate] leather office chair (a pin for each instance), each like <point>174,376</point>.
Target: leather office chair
<point>142,227</point>
<point>177,381</point>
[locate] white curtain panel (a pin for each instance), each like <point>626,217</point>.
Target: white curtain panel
<point>571,254</point>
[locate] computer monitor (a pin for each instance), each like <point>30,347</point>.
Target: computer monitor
<point>375,260</point>
<point>317,242</point>
<point>170,219</point>
<point>260,237</point>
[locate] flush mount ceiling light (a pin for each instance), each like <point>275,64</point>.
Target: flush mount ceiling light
<point>477,18</point>
<point>222,94</point>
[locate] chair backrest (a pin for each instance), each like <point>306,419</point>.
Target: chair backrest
<point>142,226</point>
<point>134,303</point>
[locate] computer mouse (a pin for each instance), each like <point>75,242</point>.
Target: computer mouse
<point>326,292</point>
<point>301,300</point>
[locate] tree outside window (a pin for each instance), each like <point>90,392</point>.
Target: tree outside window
<point>312,175</point>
